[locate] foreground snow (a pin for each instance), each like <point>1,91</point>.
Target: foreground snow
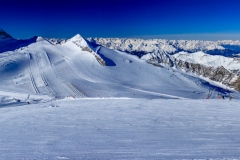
<point>121,129</point>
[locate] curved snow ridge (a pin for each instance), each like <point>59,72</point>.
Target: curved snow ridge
<point>209,60</point>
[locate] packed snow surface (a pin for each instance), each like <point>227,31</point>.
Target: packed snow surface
<point>120,128</point>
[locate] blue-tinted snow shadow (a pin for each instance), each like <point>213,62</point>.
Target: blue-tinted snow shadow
<point>14,104</point>
<point>108,61</point>
<point>215,88</point>
<point>13,44</point>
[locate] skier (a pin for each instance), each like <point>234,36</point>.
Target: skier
<point>230,97</point>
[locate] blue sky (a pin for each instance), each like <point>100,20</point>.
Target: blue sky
<point>171,19</point>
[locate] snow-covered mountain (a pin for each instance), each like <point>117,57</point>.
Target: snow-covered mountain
<point>203,58</point>
<point>78,67</point>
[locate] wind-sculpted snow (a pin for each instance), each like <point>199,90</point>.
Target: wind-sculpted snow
<point>121,129</point>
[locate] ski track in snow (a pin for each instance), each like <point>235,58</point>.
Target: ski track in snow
<point>55,86</point>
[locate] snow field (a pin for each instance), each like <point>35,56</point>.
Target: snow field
<point>121,129</point>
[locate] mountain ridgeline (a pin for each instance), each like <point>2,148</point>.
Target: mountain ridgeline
<point>4,35</point>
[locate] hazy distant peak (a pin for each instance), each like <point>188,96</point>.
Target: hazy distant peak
<point>4,35</point>
<point>39,38</point>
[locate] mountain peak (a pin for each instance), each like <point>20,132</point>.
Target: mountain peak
<point>4,35</point>
<point>79,40</point>
<point>77,37</point>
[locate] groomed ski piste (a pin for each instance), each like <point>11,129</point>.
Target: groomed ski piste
<point>82,101</point>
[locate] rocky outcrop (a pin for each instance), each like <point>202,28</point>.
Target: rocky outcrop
<point>218,74</point>
<point>236,84</point>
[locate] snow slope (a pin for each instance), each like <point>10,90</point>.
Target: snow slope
<point>121,129</point>
<point>75,69</point>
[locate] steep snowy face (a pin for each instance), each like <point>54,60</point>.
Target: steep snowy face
<point>79,41</point>
<point>4,35</point>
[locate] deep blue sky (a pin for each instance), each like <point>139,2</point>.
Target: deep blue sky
<point>173,19</point>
